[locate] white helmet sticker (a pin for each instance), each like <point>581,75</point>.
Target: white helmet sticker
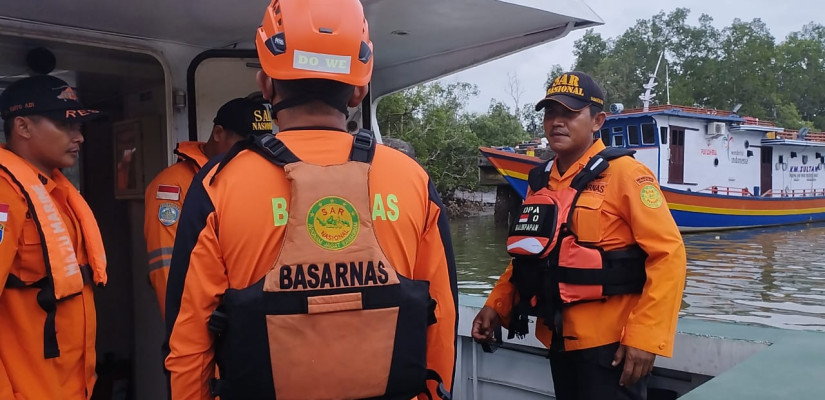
<point>321,62</point>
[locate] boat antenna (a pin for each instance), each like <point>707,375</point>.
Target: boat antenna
<point>648,95</point>
<point>667,80</point>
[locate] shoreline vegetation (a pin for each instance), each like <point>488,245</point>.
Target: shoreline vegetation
<point>773,78</point>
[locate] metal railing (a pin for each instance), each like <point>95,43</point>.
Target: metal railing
<point>745,192</point>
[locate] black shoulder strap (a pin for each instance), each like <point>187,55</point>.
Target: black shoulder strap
<point>268,146</point>
<point>538,176</point>
<point>274,150</point>
<point>597,165</point>
<point>363,146</point>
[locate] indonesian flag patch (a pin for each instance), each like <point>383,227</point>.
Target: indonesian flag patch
<point>168,192</point>
<point>4,212</point>
<point>523,218</point>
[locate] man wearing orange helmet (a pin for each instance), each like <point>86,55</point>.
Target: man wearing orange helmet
<point>313,264</point>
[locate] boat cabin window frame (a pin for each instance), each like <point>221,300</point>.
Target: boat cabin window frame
<point>663,134</point>
<point>617,132</point>
<point>633,136</point>
<point>649,134</point>
<point>604,135</point>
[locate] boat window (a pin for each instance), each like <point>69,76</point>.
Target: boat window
<point>663,135</point>
<point>648,134</point>
<point>618,140</point>
<point>605,135</point>
<point>633,135</point>
<point>617,129</point>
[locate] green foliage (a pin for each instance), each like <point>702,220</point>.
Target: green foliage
<point>498,127</point>
<point>433,119</point>
<point>708,67</point>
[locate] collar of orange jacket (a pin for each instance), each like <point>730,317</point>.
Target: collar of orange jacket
<point>577,166</point>
<point>192,151</point>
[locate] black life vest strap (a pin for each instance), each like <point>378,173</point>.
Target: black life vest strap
<point>596,165</point>
<point>47,301</point>
<point>538,176</point>
<point>274,150</point>
<point>623,272</point>
<point>363,146</point>
<point>441,391</point>
<point>221,387</point>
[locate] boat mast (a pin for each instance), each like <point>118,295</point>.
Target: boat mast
<point>667,80</point>
<point>648,95</point>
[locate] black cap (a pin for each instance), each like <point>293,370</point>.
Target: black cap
<point>574,90</point>
<point>44,95</point>
<point>244,117</point>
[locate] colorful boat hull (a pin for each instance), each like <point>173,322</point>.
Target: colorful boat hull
<point>699,211</point>
<point>513,167</point>
<point>692,211</point>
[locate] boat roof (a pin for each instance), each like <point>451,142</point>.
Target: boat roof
<point>681,111</point>
<point>415,41</point>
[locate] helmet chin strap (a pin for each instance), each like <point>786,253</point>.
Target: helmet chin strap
<point>338,102</point>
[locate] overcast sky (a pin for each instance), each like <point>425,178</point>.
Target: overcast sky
<point>531,66</point>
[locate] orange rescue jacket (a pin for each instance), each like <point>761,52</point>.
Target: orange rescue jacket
<point>163,199</point>
<point>621,208</point>
<point>50,252</point>
<point>234,228</point>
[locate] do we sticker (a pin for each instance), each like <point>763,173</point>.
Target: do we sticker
<point>321,62</point>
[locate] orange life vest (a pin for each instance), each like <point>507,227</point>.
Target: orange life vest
<point>332,319</point>
<point>64,277</point>
<point>551,267</point>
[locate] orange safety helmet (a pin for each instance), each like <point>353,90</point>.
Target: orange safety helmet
<point>316,39</point>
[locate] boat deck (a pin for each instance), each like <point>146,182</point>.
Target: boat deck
<point>712,361</point>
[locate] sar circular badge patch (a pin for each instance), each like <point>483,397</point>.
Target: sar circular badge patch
<point>168,213</point>
<point>332,223</point>
<point>651,196</point>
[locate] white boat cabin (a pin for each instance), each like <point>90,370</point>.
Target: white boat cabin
<point>719,152</point>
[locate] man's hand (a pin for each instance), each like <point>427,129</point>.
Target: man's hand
<point>637,363</point>
<point>484,324</point>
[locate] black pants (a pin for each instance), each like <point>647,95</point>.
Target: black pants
<point>587,375</point>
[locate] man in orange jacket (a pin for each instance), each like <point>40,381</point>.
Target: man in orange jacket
<point>599,349</point>
<point>313,264</point>
<point>51,252</point>
<point>235,120</point>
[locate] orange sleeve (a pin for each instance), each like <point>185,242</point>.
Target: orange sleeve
<point>11,227</point>
<point>160,238</point>
<point>10,230</point>
<point>652,323</point>
<point>5,385</point>
<point>501,297</point>
<point>435,263</point>
<point>191,359</point>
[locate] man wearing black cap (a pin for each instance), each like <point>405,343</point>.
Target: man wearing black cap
<point>235,120</point>
<point>51,251</point>
<point>615,262</point>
